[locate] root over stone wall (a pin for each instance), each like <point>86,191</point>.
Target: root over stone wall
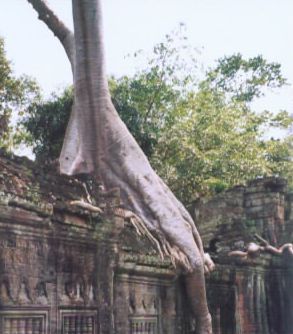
<point>66,270</point>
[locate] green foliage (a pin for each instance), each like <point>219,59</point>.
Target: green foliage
<point>45,124</point>
<point>201,136</point>
<point>244,80</point>
<point>15,94</point>
<point>146,101</point>
<point>215,145</point>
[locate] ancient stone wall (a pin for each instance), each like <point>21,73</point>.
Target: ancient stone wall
<point>48,279</point>
<point>66,270</point>
<point>255,296</point>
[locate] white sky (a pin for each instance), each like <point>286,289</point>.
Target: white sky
<point>222,27</point>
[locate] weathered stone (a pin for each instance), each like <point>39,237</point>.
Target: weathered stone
<point>261,290</point>
<point>66,270</point>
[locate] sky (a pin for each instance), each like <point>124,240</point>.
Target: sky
<point>217,27</point>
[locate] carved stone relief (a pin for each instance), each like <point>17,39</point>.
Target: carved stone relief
<point>141,303</point>
<point>35,273</point>
<point>144,325</point>
<point>78,322</point>
<point>24,322</point>
<point>150,307</point>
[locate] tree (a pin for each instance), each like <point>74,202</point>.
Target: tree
<point>217,144</point>
<point>217,138</point>
<point>15,93</point>
<point>254,250</point>
<point>44,123</point>
<point>97,142</point>
<point>149,102</point>
<point>244,80</point>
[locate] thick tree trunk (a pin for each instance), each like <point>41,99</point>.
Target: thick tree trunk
<point>98,142</point>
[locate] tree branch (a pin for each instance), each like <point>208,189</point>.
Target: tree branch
<point>58,28</point>
<point>254,250</point>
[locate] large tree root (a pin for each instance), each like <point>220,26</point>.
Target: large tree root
<point>163,246</point>
<point>254,250</point>
<point>148,204</point>
<point>98,142</point>
<point>194,276</point>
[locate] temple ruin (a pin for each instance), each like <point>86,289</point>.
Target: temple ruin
<point>67,270</point>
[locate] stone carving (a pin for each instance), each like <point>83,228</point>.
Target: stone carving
<point>91,295</point>
<point>14,286</point>
<point>143,309</point>
<point>16,290</point>
<point>18,322</point>
<point>143,325</point>
<point>149,302</point>
<point>142,303</point>
<point>75,291</point>
<point>78,290</point>
<point>24,293</point>
<point>109,284</point>
<point>23,325</point>
<point>41,293</point>
<point>78,324</point>
<point>16,252</point>
<point>5,297</point>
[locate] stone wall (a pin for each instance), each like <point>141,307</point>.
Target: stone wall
<point>250,297</point>
<point>65,270</point>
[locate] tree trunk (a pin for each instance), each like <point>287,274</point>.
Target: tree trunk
<point>98,142</point>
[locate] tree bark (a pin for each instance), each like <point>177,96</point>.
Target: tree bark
<point>98,142</point>
<point>58,28</point>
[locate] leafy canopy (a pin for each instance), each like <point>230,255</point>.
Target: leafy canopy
<point>201,135</point>
<point>244,80</point>
<point>45,123</point>
<point>15,94</point>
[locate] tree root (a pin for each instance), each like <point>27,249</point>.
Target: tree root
<point>98,142</point>
<point>163,246</point>
<point>254,250</point>
<point>86,206</point>
<point>139,226</point>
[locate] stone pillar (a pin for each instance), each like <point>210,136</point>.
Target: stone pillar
<point>251,303</point>
<point>264,204</point>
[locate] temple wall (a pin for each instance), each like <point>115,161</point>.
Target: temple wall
<point>249,297</point>
<point>64,270</point>
<point>50,278</point>
<point>70,277</point>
